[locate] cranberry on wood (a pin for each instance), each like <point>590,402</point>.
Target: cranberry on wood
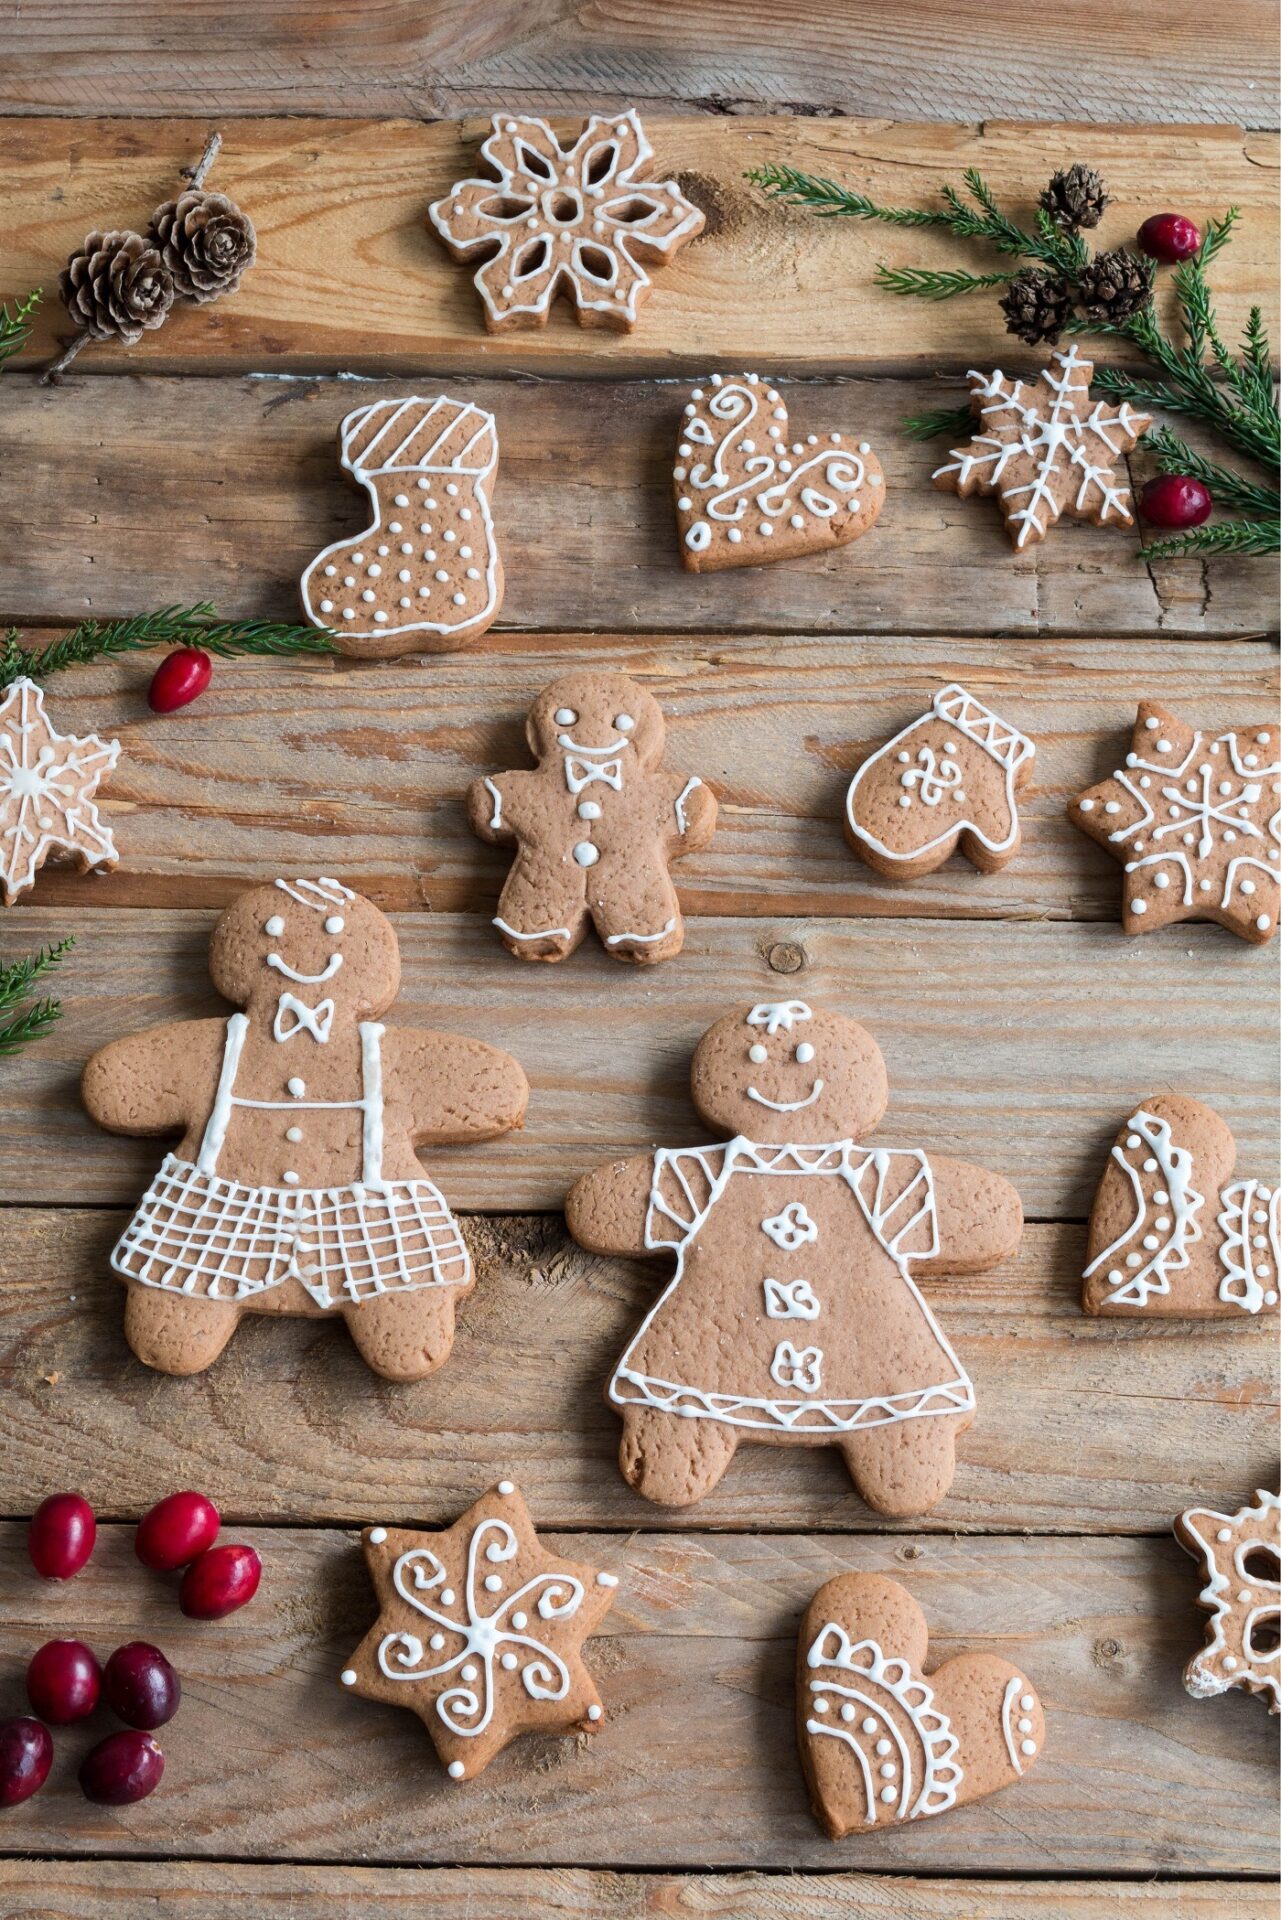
<point>61,1535</point>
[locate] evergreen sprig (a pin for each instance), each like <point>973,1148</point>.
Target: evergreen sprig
<point>194,626</point>
<point>16,982</point>
<point>16,323</point>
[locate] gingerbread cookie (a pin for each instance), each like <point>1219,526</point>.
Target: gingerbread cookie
<point>1044,450</point>
<point>948,780</point>
<point>575,221</point>
<point>480,1632</point>
<point>1241,1555</point>
<point>879,1742</point>
<point>794,1315</point>
<point>295,1187</point>
<point>1169,1233</point>
<point>1195,820</point>
<point>426,574</point>
<point>47,783</point>
<point>595,825</point>
<point>744,495</point>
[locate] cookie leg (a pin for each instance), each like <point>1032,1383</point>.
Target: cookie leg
<point>404,1336</point>
<point>541,913</point>
<point>636,914</point>
<point>177,1332</point>
<point>906,1467</point>
<point>670,1460</point>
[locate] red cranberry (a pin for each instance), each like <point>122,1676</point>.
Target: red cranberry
<point>1169,237</point>
<point>61,1535</point>
<point>63,1681</point>
<point>121,1768</point>
<point>141,1686</point>
<point>175,1531</point>
<point>222,1579</point>
<point>1175,500</point>
<point>179,678</point>
<point>26,1755</point>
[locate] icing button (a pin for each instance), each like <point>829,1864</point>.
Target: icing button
<point>586,854</point>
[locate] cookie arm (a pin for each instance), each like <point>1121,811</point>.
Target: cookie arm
<point>980,1219</point>
<point>694,805</point>
<point>486,799</point>
<point>607,1208</point>
<point>149,1083</point>
<point>454,1089</point>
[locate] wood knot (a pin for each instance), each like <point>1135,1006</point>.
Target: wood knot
<point>785,956</point>
<point>720,206</point>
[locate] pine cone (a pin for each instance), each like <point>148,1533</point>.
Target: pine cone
<point>206,243</point>
<point>1075,198</point>
<point>115,286</point>
<point>1037,306</point>
<point>1115,285</point>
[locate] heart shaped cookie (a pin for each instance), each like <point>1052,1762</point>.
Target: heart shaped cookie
<point>745,494</point>
<point>881,1743</point>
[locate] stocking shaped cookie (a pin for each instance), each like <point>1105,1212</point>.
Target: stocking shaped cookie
<point>794,1315</point>
<point>595,825</point>
<point>745,494</point>
<point>880,1742</point>
<point>295,1187</point>
<point>1241,1555</point>
<point>1170,1232</point>
<point>949,779</point>
<point>425,575</point>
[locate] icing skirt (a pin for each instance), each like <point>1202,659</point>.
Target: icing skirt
<point>218,1240</point>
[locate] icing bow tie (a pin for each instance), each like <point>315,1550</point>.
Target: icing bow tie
<point>313,1020</point>
<point>581,773</point>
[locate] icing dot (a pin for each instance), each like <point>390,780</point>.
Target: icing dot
<point>1163,746</point>
<point>1027,1746</point>
<point>684,503</point>
<point>1149,1165</point>
<point>1161,881</point>
<point>586,854</point>
<point>889,1793</point>
<point>509,1661</point>
<point>766,528</point>
<point>870,1725</point>
<point>459,599</point>
<point>456,1769</point>
<point>436,1642</point>
<point>1027,1703</point>
<point>349,1676</point>
<point>293,1134</point>
<point>847,1711</point>
<point>734,536</point>
<point>882,1746</point>
<point>275,926</point>
<point>447,1596</point>
<point>380,618</point>
<point>1151,1242</point>
<point>470,1672</point>
<point>358,558</point>
<point>330,572</point>
<point>565,716</point>
<point>492,1583</point>
<point>1245,1596</point>
<point>506,1486</point>
<point>588,810</point>
<point>520,1621</point>
<point>441,575</point>
<point>1025,1726</point>
<point>593,1712</point>
<point>606,1579</point>
<point>289,1177</point>
<point>402,499</point>
<point>1263,923</point>
<point>822,1706</point>
<point>369,594</point>
<point>887,1770</point>
<point>757,1054</point>
<point>1086,806</point>
<point>1139,906</point>
<point>404,574</point>
<point>1151,724</point>
<point>326,606</point>
<point>377,1535</point>
<point>1162,1221</point>
<point>805,1053</point>
<point>1113,806</point>
<point>394,526</point>
<point>1247,886</point>
<point>1224,1533</point>
<point>865,446</point>
<point>297,1087</point>
<point>424,593</point>
<point>797,520</point>
<point>1229,1661</point>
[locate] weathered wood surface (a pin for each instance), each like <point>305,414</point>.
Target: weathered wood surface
<point>269,1757</point>
<point>993,1033</point>
<point>242,486</point>
<point>214,1890</point>
<point>1083,1425</point>
<point>923,60</point>
<point>349,277</point>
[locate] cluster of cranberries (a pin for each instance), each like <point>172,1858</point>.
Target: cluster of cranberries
<point>1174,500</point>
<point>64,1679</point>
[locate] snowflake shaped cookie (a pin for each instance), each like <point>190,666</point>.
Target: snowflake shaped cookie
<point>1241,1555</point>
<point>47,780</point>
<point>576,221</point>
<point>1196,821</point>
<point>1043,450</point>
<point>480,1632</point>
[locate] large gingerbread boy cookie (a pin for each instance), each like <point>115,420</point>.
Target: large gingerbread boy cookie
<point>595,825</point>
<point>295,1187</point>
<point>794,1315</point>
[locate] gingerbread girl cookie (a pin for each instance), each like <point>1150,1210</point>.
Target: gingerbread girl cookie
<point>295,1187</point>
<point>595,825</point>
<point>1240,1553</point>
<point>794,1315</point>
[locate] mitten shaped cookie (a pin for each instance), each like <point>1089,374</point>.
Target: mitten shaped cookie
<point>744,495</point>
<point>948,780</point>
<point>1241,1555</point>
<point>1170,1233</point>
<point>794,1315</point>
<point>295,1187</point>
<point>879,1742</point>
<point>425,576</point>
<point>595,825</point>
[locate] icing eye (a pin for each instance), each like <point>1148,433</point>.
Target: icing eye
<point>624,722</point>
<point>565,716</point>
<point>335,923</point>
<point>757,1054</point>
<point>274,926</point>
<point>805,1053</point>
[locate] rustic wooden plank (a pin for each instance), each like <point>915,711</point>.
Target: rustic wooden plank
<point>1083,1425</point>
<point>214,1890</point>
<point>269,1757</point>
<point>283,57</point>
<point>243,486</point>
<point>343,202</point>
<point>993,1035</point>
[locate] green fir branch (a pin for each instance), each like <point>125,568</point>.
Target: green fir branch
<point>1219,536</point>
<point>16,323</point>
<point>1230,490</point>
<point>929,426</point>
<point>32,1024</point>
<point>927,284</point>
<point>828,200</point>
<point>194,626</point>
<point>16,981</point>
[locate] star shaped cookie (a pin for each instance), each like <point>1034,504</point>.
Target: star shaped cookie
<point>47,780</point>
<point>1195,819</point>
<point>1241,1554</point>
<point>480,1632</point>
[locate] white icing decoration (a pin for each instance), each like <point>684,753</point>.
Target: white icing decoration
<point>47,780</point>
<point>1201,1677</point>
<point>791,1300</point>
<point>1011,1746</point>
<point>542,933</point>
<point>327,972</point>
<point>275,926</point>
<point>317,1021</point>
<point>1151,1142</point>
<point>786,1106</point>
<point>779,1016</point>
<point>888,1686</point>
<point>320,895</point>
<point>641,939</point>
<point>682,820</point>
<point>1242,1282</point>
<point>792,1228</point>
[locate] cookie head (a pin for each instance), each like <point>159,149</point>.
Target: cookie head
<point>596,716</point>
<point>314,939</point>
<point>785,1071</point>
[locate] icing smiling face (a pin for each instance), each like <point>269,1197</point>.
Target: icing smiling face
<point>781,1071</point>
<point>597,716</point>
<point>311,940</point>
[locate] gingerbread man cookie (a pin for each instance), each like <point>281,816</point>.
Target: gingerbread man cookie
<point>879,1742</point>
<point>744,495</point>
<point>1241,1554</point>
<point>425,575</point>
<point>595,825</point>
<point>1169,1232</point>
<point>794,1314</point>
<point>949,779</point>
<point>295,1187</point>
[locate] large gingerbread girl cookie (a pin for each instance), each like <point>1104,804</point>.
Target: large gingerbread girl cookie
<point>295,1187</point>
<point>794,1315</point>
<point>595,825</point>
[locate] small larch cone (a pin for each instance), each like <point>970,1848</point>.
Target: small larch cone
<point>205,242</point>
<point>1075,198</point>
<point>1115,285</point>
<point>116,286</point>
